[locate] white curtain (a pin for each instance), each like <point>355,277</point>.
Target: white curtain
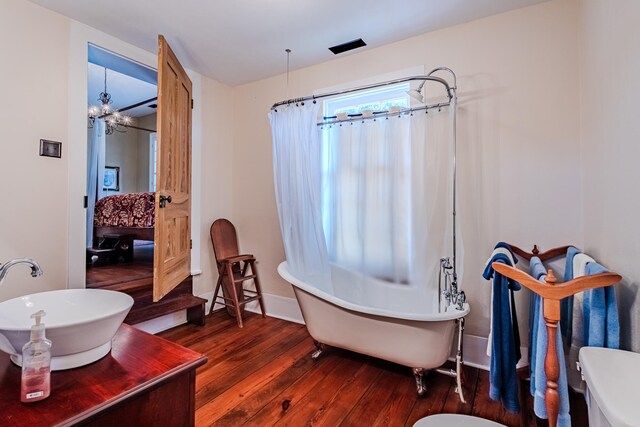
<point>373,197</point>
<point>297,179</point>
<point>386,197</point>
<point>95,177</point>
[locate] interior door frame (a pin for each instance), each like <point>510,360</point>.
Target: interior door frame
<point>76,145</point>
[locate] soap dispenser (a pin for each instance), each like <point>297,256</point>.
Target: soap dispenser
<point>36,363</point>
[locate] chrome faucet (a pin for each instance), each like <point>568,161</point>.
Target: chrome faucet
<point>451,293</point>
<point>35,267</point>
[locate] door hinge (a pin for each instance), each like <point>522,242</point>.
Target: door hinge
<point>190,244</point>
<point>192,103</point>
<point>86,202</point>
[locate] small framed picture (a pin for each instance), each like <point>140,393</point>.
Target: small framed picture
<point>111,178</point>
<point>50,148</point>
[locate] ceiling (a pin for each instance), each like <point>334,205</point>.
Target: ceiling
<point>239,41</point>
<point>124,90</point>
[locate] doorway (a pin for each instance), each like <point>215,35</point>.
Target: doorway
<point>121,168</point>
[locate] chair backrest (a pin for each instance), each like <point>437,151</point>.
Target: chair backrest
<point>224,239</point>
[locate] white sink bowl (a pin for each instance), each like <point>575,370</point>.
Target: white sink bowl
<point>79,322</point>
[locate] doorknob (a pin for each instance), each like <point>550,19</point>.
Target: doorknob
<point>164,200</point>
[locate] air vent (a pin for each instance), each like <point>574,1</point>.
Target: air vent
<point>152,105</point>
<point>344,47</point>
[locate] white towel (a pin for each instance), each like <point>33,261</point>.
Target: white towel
<point>495,252</point>
<point>577,328</point>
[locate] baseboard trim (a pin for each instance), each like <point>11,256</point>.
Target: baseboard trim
<point>475,353</point>
<point>279,307</point>
<point>285,308</point>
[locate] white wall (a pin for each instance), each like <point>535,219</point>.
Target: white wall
<point>33,210</point>
<point>610,135</point>
<point>517,137</point>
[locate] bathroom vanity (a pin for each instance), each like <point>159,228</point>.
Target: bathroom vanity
<point>144,381</point>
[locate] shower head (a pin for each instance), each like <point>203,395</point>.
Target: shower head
<point>417,93</point>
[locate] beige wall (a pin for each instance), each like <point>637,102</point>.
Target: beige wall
<point>147,122</point>
<point>216,172</point>
<point>521,179</point>
<point>517,136</point>
<point>48,60</point>
<point>121,150</point>
<point>33,211</point>
<point>610,135</point>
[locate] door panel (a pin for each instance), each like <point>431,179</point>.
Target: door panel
<point>172,251</point>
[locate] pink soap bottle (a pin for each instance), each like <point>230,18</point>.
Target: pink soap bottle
<point>36,364</point>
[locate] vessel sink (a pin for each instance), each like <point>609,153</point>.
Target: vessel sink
<point>79,322</point>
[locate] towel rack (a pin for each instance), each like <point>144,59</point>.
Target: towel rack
<point>544,256</point>
<point>551,294</point>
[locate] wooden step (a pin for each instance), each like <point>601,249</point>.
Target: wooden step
<point>194,306</point>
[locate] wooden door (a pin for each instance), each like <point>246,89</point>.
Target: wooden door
<point>172,235</point>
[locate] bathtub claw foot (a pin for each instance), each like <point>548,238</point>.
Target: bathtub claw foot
<point>421,388</point>
<point>320,348</point>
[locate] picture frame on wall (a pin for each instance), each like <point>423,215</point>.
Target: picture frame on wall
<point>111,178</point>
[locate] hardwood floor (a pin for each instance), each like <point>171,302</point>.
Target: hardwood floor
<point>263,375</point>
<point>109,274</point>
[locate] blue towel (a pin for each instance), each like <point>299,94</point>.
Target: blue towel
<point>601,323</point>
<point>539,344</point>
<point>502,375</point>
<point>537,271</point>
<point>566,305</point>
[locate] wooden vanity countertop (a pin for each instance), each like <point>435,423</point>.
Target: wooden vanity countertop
<point>137,364</point>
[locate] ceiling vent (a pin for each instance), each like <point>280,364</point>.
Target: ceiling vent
<point>344,47</point>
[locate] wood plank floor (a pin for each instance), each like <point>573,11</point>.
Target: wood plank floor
<point>121,272</point>
<point>263,375</point>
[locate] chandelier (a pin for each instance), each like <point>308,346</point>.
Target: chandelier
<point>114,120</point>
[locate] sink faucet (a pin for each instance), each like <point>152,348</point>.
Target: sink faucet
<point>35,267</point>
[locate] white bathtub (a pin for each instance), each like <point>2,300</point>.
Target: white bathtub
<point>419,338</point>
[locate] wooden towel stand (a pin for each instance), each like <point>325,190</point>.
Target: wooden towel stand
<point>551,294</point>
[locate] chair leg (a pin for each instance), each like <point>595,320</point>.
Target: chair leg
<point>234,294</point>
<point>258,288</point>
<point>215,294</point>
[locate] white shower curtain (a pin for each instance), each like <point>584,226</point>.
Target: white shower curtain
<point>373,197</point>
<point>386,197</point>
<point>95,176</point>
<point>296,169</point>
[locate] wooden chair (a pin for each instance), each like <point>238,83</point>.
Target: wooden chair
<point>233,271</point>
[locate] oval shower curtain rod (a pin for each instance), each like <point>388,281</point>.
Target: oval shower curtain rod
<point>451,94</point>
<point>429,77</point>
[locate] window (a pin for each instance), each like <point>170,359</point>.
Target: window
<point>366,188</point>
<point>153,149</point>
<point>378,99</point>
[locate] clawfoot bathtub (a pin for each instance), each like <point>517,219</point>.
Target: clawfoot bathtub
<point>421,340</point>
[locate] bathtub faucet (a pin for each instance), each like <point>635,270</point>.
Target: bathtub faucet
<point>445,270</point>
<point>451,294</point>
<point>35,267</point>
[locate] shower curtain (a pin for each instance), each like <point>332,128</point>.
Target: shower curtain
<point>370,196</point>
<point>296,171</point>
<point>95,176</point>
<point>386,190</point>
